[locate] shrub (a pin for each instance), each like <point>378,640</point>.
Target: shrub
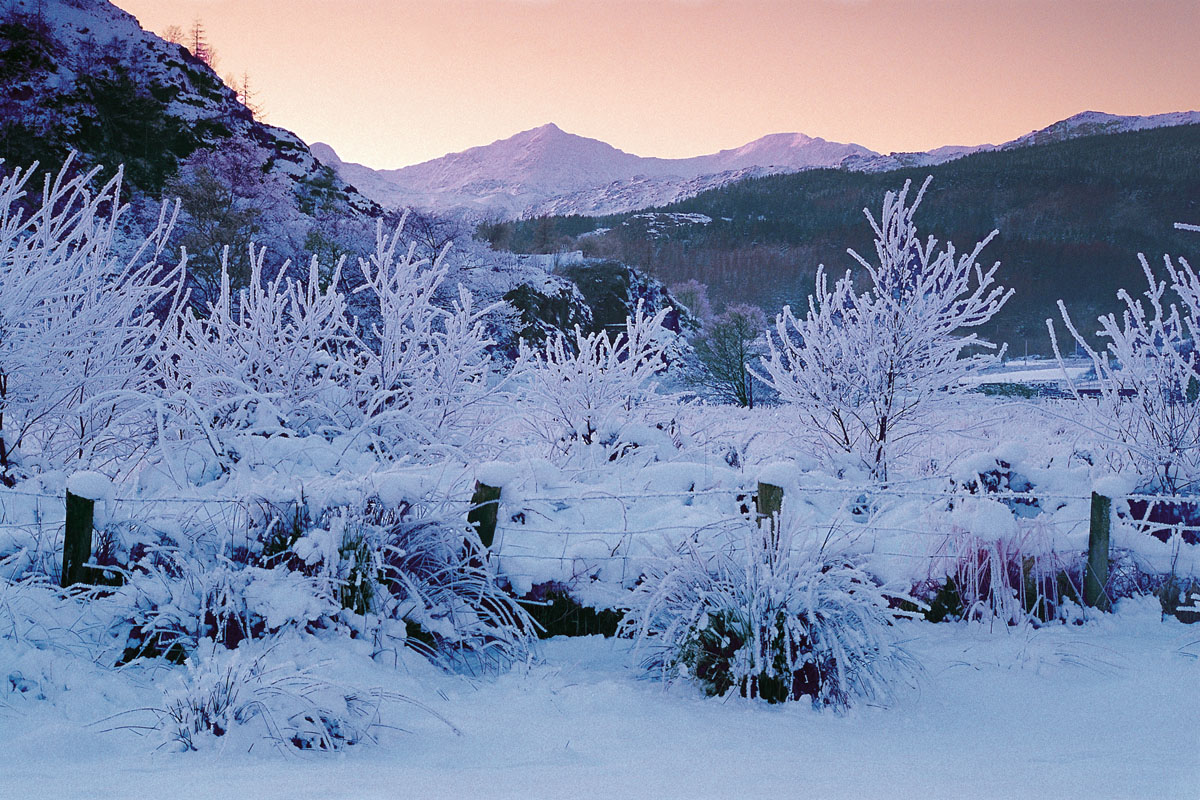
<point>222,691</point>
<point>991,567</point>
<point>755,612</point>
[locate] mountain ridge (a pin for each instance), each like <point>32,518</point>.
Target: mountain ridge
<point>546,170</point>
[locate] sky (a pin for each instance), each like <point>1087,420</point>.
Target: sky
<point>394,82</point>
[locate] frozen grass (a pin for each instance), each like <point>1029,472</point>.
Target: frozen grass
<point>756,612</point>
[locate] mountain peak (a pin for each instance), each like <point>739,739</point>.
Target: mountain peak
<point>325,154</point>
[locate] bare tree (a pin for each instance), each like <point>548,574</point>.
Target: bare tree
<point>228,200</point>
<point>197,43</point>
<point>247,95</point>
<point>430,233</point>
<point>728,346</point>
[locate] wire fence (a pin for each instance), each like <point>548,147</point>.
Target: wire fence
<point>568,533</point>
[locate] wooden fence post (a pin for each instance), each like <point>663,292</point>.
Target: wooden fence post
<point>1095,579</point>
<point>77,542</point>
<point>769,504</point>
<point>485,509</point>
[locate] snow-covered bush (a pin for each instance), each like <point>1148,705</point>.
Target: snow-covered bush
<point>429,575</point>
<point>861,368</point>
<point>586,389</point>
<point>283,356</point>
<point>425,369</point>
<point>754,611</point>
<point>224,693</point>
<point>77,322</point>
<point>1148,377</point>
<point>172,601</point>
<point>269,358</point>
<point>993,565</point>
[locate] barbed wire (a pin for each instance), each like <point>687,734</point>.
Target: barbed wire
<point>867,491</point>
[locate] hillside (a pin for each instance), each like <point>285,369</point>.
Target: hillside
<point>1072,216</point>
<point>82,76</point>
<point>547,170</point>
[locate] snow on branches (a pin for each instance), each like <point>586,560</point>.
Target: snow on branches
<point>1148,378</point>
<point>265,359</point>
<point>77,322</point>
<point>283,355</point>
<point>586,389</point>
<point>426,368</point>
<point>859,366</point>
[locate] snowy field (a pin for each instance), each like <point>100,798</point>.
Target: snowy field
<point>1103,710</point>
<point>319,548</point>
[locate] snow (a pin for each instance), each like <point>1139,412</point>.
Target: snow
<point>89,485</point>
<point>547,171</point>
<point>1103,710</point>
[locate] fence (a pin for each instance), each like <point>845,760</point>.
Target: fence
<point>587,540</point>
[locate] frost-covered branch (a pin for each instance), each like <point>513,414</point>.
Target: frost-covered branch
<point>1148,378</point>
<point>77,322</point>
<point>859,366</point>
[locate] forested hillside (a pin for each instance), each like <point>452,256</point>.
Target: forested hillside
<point>1072,217</point>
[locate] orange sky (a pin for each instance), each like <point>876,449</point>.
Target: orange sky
<point>394,82</point>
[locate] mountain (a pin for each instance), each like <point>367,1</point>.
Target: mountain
<point>1074,206</point>
<point>547,171</point>
<point>533,172</point>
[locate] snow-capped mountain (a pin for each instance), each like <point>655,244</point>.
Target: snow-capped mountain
<point>1086,123</point>
<point>549,171</point>
<point>535,171</point>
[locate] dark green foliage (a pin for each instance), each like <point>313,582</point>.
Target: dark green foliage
<point>1022,390</point>
<point>946,604</point>
<point>26,47</point>
<point>1180,598</point>
<point>559,614</point>
<point>284,527</point>
<point>605,286</point>
<point>1072,216</point>
<point>540,312</point>
<point>710,652</point>
<point>129,125</point>
<point>155,645</point>
<point>357,591</point>
<point>318,191</point>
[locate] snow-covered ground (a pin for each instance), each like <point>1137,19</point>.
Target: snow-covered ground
<point>1103,710</point>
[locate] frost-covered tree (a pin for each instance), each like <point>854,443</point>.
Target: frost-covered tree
<point>727,345</point>
<point>271,357</point>
<point>425,368</point>
<point>586,387</point>
<point>77,321</point>
<point>1148,376</point>
<point>861,367</point>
